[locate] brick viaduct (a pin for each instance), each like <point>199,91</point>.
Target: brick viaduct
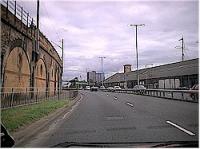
<point>22,66</point>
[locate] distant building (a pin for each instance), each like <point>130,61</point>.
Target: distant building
<point>95,78</point>
<point>91,77</point>
<point>168,76</point>
<point>99,78</point>
<point>127,68</point>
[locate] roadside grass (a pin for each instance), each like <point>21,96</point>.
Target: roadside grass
<point>17,117</point>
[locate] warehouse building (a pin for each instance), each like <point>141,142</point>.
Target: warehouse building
<point>168,76</point>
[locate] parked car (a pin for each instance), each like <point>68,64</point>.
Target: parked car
<point>117,88</point>
<point>194,96</point>
<point>102,87</point>
<point>110,89</point>
<point>140,89</point>
<point>94,88</point>
<point>87,88</point>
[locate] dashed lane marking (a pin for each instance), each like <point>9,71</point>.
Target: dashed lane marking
<point>115,98</point>
<point>130,104</point>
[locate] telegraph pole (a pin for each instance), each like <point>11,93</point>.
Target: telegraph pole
<point>136,44</point>
<point>182,47</point>
<point>101,57</point>
<point>62,47</point>
<point>38,30</point>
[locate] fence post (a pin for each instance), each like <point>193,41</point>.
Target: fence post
<point>12,98</point>
<point>27,22</point>
<point>26,97</point>
<point>15,11</point>
<point>37,95</point>
<point>21,16</point>
<point>58,94</point>
<point>172,95</point>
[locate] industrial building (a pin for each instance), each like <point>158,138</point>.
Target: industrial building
<point>168,76</point>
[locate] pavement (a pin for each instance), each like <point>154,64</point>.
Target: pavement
<point>117,117</point>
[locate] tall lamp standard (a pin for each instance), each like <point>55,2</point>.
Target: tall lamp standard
<point>102,76</point>
<point>136,27</point>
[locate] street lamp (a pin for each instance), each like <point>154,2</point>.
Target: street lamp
<point>136,26</point>
<point>102,76</point>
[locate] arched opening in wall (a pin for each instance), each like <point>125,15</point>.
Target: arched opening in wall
<point>17,71</point>
<point>40,78</point>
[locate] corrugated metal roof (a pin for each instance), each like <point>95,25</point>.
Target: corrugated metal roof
<point>188,67</point>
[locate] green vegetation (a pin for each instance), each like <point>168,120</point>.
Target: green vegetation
<point>16,117</point>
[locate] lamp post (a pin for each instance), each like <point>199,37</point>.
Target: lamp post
<point>136,27</point>
<point>102,77</point>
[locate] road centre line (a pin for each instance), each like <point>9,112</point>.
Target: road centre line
<point>130,104</point>
<point>182,129</point>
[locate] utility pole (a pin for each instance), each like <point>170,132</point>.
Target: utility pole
<point>62,58</point>
<point>102,77</point>
<point>182,47</point>
<point>36,49</point>
<point>136,44</point>
<point>62,47</point>
<point>38,30</point>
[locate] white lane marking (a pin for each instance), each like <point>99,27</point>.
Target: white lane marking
<point>107,94</point>
<point>73,107</point>
<point>130,104</point>
<point>115,98</point>
<point>179,127</point>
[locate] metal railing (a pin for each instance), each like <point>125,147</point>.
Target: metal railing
<point>182,95</point>
<point>24,96</point>
<point>18,11</point>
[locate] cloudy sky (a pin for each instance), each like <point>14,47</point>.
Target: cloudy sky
<point>101,28</point>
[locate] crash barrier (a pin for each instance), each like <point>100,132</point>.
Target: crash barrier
<point>183,95</point>
<point>12,97</point>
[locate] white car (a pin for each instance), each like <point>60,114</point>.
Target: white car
<point>102,87</point>
<point>117,88</point>
<point>110,88</point>
<point>87,87</point>
<point>139,89</point>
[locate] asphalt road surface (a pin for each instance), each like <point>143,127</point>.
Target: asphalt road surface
<point>118,117</point>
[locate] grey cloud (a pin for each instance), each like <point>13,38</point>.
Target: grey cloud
<point>92,29</point>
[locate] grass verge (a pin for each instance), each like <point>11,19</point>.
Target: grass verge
<point>16,117</point>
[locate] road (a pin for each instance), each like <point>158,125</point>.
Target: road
<point>118,117</point>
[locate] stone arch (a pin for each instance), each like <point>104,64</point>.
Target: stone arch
<point>16,70</point>
<point>40,76</point>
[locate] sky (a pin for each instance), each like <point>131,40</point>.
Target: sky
<point>92,29</point>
